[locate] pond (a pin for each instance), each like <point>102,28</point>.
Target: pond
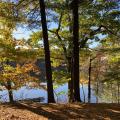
<point>61,94</point>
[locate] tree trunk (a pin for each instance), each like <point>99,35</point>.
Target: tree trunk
<point>70,48</point>
<point>70,83</point>
<point>111,93</point>
<point>76,50</point>
<point>97,91</point>
<point>47,53</point>
<point>118,84</point>
<point>10,92</point>
<point>89,82</point>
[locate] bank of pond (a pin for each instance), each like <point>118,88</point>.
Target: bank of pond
<point>60,93</point>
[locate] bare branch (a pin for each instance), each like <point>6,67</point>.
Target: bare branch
<point>60,21</point>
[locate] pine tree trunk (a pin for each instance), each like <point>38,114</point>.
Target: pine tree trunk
<point>89,83</point>
<point>47,53</point>
<point>118,86</point>
<point>97,91</point>
<point>70,83</point>
<point>10,92</point>
<point>76,50</point>
<point>70,47</point>
<point>111,87</point>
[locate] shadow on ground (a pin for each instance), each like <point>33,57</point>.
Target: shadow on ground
<point>71,111</point>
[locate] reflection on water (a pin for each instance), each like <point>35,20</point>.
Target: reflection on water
<point>60,94</point>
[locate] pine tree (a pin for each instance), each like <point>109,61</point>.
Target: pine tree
<point>47,53</point>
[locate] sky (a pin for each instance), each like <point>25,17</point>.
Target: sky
<point>23,32</point>
<point>20,33</point>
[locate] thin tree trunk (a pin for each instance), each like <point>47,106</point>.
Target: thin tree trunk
<point>47,53</point>
<point>97,84</point>
<point>10,92</point>
<point>112,94</point>
<point>76,50</point>
<point>9,88</point>
<point>118,91</point>
<point>97,92</point>
<point>70,82</point>
<point>89,82</point>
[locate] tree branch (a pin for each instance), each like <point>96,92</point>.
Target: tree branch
<point>60,21</point>
<point>58,36</point>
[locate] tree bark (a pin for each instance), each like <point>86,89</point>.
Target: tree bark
<point>69,58</point>
<point>89,82</point>
<point>76,50</point>
<point>70,83</point>
<point>10,91</point>
<point>97,91</point>
<point>118,87</point>
<point>47,53</point>
<point>111,87</point>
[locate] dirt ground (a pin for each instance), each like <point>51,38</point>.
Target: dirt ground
<point>38,111</point>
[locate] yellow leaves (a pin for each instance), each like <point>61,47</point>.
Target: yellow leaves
<point>83,81</point>
<point>18,74</point>
<point>114,59</point>
<point>27,67</point>
<point>8,68</point>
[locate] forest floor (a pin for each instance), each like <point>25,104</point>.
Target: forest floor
<point>39,111</point>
